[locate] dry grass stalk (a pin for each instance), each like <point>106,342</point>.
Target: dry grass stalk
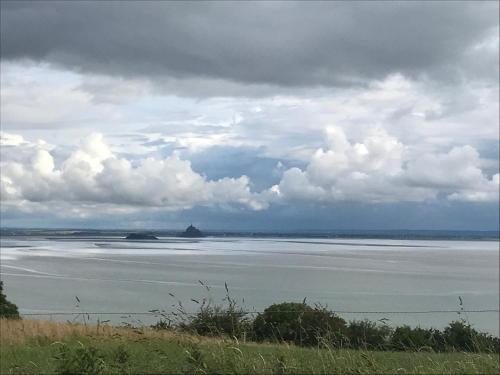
<point>17,331</point>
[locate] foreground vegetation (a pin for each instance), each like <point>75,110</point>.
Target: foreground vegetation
<point>307,326</point>
<point>7,308</point>
<point>38,347</point>
<point>286,338</point>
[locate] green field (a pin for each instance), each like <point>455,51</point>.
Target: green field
<point>46,347</point>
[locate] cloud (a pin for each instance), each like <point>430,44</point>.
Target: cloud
<point>380,169</point>
<point>7,139</point>
<point>213,105</point>
<point>457,169</point>
<point>423,115</point>
<point>285,44</point>
<point>489,192</point>
<point>93,175</point>
<point>31,94</point>
<point>92,178</point>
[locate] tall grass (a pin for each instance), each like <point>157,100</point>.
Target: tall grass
<point>19,331</point>
<point>116,352</point>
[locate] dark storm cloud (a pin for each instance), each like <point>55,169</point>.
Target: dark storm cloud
<point>280,43</point>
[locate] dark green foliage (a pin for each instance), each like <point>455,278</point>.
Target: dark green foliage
<point>217,320</point>
<point>461,336</point>
<point>82,360</point>
<point>368,335</point>
<point>7,309</point>
<point>300,324</point>
<point>458,336</point>
<point>415,339</point>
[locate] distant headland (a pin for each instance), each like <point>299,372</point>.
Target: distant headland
<point>191,232</point>
<point>140,236</point>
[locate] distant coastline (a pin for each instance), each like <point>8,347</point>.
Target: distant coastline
<point>462,235</point>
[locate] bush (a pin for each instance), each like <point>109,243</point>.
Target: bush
<point>461,336</point>
<point>407,338</point>
<point>368,335</point>
<point>456,336</point>
<point>7,309</point>
<point>216,320</point>
<point>304,325</point>
<point>300,324</point>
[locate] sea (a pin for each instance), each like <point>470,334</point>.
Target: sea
<point>416,278</point>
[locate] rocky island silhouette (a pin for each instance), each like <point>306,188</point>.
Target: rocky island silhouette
<point>140,236</point>
<point>192,232</point>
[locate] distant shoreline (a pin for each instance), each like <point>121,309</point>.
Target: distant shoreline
<point>459,235</point>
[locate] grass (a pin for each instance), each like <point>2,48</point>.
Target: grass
<point>22,330</point>
<point>40,347</point>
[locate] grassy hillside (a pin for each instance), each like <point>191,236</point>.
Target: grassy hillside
<point>39,347</point>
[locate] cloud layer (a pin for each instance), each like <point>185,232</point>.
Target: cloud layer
<point>261,109</point>
<point>264,43</point>
<point>94,175</point>
<point>377,169</point>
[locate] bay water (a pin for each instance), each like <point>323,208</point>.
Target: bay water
<point>393,280</point>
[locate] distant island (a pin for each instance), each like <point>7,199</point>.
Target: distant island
<point>140,236</point>
<point>191,232</point>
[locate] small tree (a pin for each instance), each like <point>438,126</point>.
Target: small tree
<point>7,309</point>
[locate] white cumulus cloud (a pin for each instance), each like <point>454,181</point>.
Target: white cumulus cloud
<point>93,178</point>
<point>382,169</point>
<point>93,174</point>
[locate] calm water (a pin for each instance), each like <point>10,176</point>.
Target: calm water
<point>112,275</point>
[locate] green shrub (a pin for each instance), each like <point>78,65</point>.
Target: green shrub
<point>368,335</point>
<point>7,309</point>
<point>407,338</point>
<point>300,324</point>
<point>218,320</point>
<point>304,325</point>
<point>457,335</point>
<point>82,360</point>
<point>461,336</point>
<point>215,320</point>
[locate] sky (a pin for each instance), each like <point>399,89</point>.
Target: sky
<point>256,116</point>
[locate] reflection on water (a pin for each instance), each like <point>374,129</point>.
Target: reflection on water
<point>109,274</point>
